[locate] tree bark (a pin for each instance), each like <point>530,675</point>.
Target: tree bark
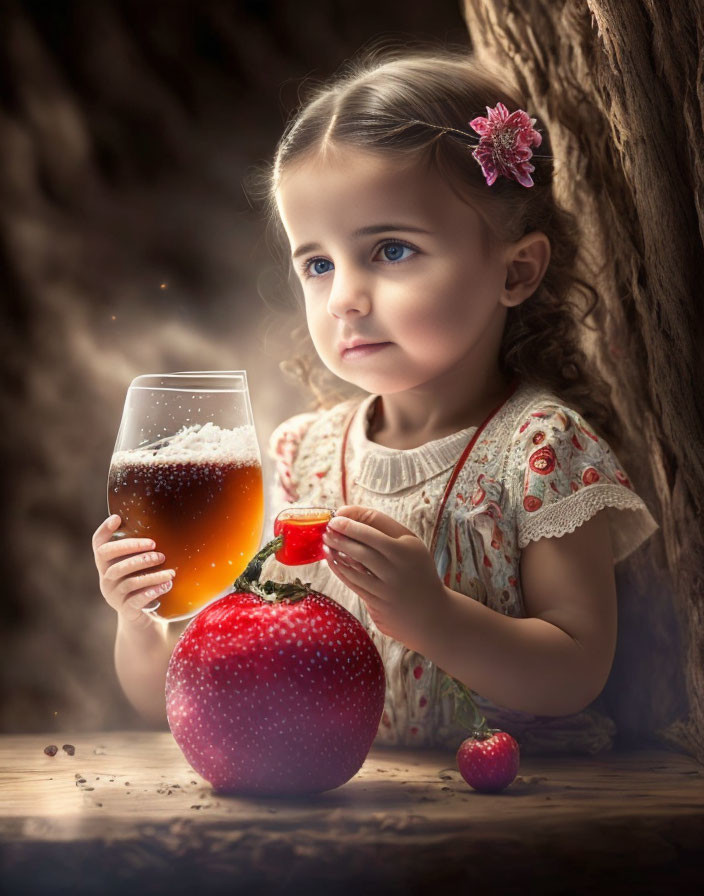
<point>620,87</point>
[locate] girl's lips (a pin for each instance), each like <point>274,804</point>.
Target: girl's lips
<point>361,351</point>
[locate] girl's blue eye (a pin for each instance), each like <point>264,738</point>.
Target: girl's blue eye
<point>393,250</point>
<point>317,263</point>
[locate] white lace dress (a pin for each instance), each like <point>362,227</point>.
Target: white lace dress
<point>536,470</point>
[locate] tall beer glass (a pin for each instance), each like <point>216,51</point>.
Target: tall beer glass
<point>186,472</point>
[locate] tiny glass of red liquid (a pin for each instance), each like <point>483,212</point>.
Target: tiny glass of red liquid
<point>302,530</point>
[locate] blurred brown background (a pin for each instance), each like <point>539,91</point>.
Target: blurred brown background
<point>128,133</point>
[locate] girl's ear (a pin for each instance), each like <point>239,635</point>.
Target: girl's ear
<point>526,263</point>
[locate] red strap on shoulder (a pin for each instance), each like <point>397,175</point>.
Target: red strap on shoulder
<point>463,458</point>
<point>343,475</point>
<point>458,466</point>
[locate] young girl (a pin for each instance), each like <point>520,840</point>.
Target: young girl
<point>480,506</point>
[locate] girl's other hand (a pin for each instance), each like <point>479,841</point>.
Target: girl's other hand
<point>121,564</point>
<point>390,568</point>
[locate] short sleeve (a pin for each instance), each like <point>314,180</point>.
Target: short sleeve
<point>282,448</point>
<point>563,474</point>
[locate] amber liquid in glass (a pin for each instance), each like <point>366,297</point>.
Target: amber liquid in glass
<point>206,517</point>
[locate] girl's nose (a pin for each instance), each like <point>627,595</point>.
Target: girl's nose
<point>349,293</point>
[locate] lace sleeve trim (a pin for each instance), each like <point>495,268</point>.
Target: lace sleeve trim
<point>563,517</point>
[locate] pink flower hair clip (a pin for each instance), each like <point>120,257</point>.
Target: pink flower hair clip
<point>504,145</point>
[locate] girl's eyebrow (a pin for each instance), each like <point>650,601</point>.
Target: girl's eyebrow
<point>365,231</point>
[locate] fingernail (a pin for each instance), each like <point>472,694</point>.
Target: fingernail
<point>335,523</point>
<point>170,572</point>
<point>165,587</point>
<point>113,520</point>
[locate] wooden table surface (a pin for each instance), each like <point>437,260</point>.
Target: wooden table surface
<point>127,809</point>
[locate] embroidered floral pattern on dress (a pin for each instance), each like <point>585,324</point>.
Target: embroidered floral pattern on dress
<point>486,524</point>
<point>473,530</point>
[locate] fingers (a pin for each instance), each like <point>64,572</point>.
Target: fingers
<point>125,567</point>
<point>105,531</point>
<point>107,554</point>
<point>106,551</point>
<point>368,557</point>
<point>133,606</point>
<point>355,580</point>
<point>121,564</point>
<point>365,521</point>
<point>142,597</point>
<point>334,556</point>
<point>386,545</point>
<point>131,585</point>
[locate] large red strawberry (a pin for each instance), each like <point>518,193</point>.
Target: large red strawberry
<point>274,689</point>
<point>488,759</point>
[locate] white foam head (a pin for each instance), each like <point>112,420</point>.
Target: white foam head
<point>197,444</point>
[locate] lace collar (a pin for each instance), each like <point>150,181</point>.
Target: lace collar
<point>387,470</point>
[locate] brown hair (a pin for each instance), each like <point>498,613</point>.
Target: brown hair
<point>390,100</point>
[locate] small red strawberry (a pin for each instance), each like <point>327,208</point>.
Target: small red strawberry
<point>488,759</point>
<point>274,689</point>
<point>488,763</point>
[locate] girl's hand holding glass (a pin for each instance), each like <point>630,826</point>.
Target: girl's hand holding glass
<point>389,567</point>
<point>186,471</point>
<point>128,581</point>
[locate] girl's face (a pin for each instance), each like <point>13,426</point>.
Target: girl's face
<point>389,254</point>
